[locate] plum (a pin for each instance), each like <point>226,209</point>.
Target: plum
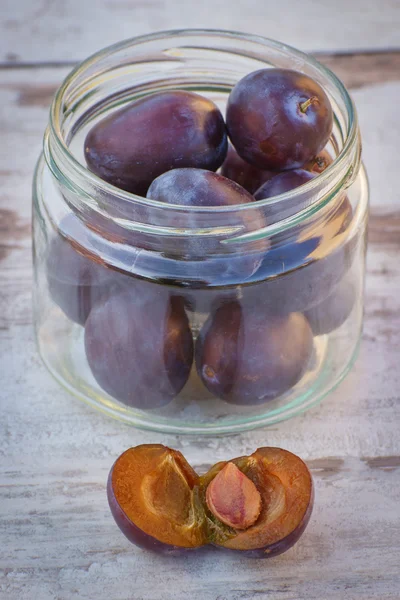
<point>282,183</point>
<point>278,119</point>
<point>301,273</point>
<point>77,276</point>
<point>139,346</point>
<point>197,187</point>
<point>248,357</point>
<point>243,173</point>
<point>258,505</point>
<point>162,131</point>
<point>252,178</point>
<point>76,282</point>
<point>201,188</point>
<point>332,312</point>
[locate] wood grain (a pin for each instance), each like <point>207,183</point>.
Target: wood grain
<point>355,70</point>
<point>43,30</point>
<point>58,539</point>
<point>366,69</point>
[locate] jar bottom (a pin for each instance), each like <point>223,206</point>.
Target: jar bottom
<point>195,410</point>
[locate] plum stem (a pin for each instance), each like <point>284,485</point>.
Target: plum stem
<point>308,103</point>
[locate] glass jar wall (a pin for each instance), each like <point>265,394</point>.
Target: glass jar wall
<point>195,319</point>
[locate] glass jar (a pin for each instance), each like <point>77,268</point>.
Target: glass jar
<point>258,321</point>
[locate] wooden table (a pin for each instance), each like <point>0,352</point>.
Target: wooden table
<point>57,538</point>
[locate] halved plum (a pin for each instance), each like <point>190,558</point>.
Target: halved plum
<point>258,504</point>
<point>153,495</point>
<point>285,485</point>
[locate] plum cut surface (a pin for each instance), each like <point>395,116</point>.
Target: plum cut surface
<point>258,504</point>
<point>152,496</point>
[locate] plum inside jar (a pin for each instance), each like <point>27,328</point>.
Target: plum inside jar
<point>258,504</point>
<point>239,319</point>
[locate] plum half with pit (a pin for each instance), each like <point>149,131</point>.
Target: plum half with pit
<point>261,504</point>
<point>278,119</point>
<point>248,357</point>
<point>139,346</point>
<point>258,505</point>
<point>162,131</point>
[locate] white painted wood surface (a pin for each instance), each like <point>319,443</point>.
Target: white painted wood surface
<point>54,30</point>
<point>58,540</point>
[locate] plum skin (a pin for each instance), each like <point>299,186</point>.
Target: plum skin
<point>301,274</point>
<point>251,178</point>
<point>75,281</point>
<point>332,312</point>
<point>269,122</point>
<point>142,358</point>
<point>202,188</point>
<point>282,183</point>
<point>243,173</point>
<point>197,187</point>
<point>162,131</point>
<point>243,356</point>
<point>319,163</point>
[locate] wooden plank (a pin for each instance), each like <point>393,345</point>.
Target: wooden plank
<point>364,69</point>
<point>43,30</point>
<point>58,538</point>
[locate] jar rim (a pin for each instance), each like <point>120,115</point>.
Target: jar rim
<point>54,132</point>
